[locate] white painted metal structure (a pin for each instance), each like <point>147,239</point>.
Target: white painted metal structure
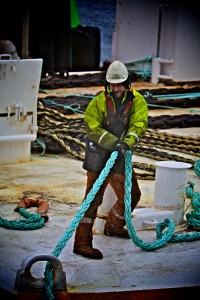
<point>166,30</point>
<point>19,85</point>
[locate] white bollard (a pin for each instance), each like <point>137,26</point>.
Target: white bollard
<point>170,187</point>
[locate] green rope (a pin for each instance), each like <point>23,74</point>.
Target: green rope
<point>177,96</point>
<point>166,237</point>
<point>148,59</point>
<point>74,107</point>
<point>41,144</point>
<point>75,222</point>
<point>143,73</point>
<point>193,217</point>
<point>197,167</point>
<point>31,221</point>
<point>162,236</point>
<point>164,106</point>
<point>35,221</point>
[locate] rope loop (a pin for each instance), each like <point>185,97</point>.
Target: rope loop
<point>31,221</point>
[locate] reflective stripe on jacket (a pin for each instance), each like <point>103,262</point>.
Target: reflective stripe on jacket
<point>102,138</point>
<point>96,111</point>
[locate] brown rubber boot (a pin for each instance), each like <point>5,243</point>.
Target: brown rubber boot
<point>115,225</point>
<point>83,242</point>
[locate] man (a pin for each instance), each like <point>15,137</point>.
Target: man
<point>114,121</point>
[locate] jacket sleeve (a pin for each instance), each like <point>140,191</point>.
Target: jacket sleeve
<point>138,120</point>
<point>93,120</point>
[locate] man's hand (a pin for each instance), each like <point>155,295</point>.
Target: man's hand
<point>121,148</point>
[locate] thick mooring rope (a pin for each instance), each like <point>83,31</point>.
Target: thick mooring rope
<point>75,222</point>
<point>193,217</point>
<point>163,237</point>
<point>31,221</point>
<point>197,167</point>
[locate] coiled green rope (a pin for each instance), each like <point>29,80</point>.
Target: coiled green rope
<point>193,217</point>
<point>31,221</point>
<point>128,214</point>
<point>162,236</point>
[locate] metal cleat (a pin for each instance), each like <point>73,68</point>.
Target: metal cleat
<point>25,281</point>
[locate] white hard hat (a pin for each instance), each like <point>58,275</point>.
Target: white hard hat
<point>117,72</point>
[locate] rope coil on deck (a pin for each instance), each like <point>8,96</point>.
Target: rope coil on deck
<point>31,221</point>
<point>162,236</point>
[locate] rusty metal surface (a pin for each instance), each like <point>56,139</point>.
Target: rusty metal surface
<point>164,294</point>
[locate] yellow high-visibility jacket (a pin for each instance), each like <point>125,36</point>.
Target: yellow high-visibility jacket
<point>104,129</point>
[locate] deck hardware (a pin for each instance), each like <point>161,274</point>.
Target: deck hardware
<point>25,281</point>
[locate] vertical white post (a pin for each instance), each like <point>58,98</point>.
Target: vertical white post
<point>170,187</point>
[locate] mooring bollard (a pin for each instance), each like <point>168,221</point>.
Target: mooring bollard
<point>170,187</point>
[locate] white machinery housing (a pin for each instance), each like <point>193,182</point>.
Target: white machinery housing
<point>19,85</point>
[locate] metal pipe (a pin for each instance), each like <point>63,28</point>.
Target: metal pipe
<point>18,138</point>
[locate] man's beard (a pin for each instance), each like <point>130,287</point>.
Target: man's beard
<point>118,95</point>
